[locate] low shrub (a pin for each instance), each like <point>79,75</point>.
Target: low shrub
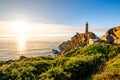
<point>79,63</point>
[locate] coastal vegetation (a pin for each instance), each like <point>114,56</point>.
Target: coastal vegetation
<point>92,62</point>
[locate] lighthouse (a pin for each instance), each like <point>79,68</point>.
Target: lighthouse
<point>86,27</point>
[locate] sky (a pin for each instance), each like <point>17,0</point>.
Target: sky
<point>58,17</point>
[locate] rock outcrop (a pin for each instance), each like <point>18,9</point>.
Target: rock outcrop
<point>117,41</point>
<point>112,35</point>
<point>77,40</point>
<point>22,57</point>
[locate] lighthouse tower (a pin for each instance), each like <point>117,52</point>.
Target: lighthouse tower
<point>86,27</point>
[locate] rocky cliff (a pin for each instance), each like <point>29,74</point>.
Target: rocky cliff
<point>112,35</point>
<point>77,40</point>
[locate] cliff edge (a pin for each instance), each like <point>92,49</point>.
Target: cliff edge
<point>76,41</point>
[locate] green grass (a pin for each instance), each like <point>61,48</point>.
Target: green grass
<point>111,70</point>
<point>89,62</point>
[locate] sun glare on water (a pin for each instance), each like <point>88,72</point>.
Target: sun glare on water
<point>21,41</point>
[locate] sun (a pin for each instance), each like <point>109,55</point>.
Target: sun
<point>20,26</point>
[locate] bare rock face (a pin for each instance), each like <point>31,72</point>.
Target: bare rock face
<point>77,40</point>
<point>109,39</point>
<point>115,32</point>
<point>22,57</point>
<point>117,41</point>
<point>112,35</point>
<point>104,37</point>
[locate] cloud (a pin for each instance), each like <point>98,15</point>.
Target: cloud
<point>41,29</point>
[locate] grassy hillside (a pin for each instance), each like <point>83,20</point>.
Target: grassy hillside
<point>98,61</point>
<point>111,70</point>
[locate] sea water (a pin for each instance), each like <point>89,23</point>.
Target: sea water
<point>13,48</point>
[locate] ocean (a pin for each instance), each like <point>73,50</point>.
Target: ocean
<point>13,48</point>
